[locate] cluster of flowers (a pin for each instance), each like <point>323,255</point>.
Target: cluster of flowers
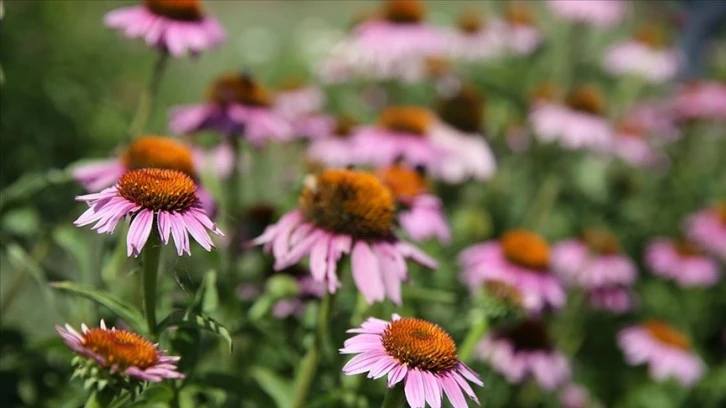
<point>345,211</point>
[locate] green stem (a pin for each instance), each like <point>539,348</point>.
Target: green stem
<point>543,202</point>
<point>151,255</point>
<point>478,328</point>
<point>234,190</point>
<point>309,366</point>
<point>394,397</point>
<point>148,96</point>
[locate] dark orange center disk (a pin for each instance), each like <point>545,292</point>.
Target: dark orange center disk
<point>184,10</point>
<point>465,110</point>
<point>344,126</point>
<point>349,202</point>
<point>601,242</point>
<point>651,35</point>
<point>588,99</point>
<point>667,334</point>
<point>471,21</point>
<point>503,292</point>
<point>527,335</point>
<point>437,66</point>
<point>631,127</point>
<point>158,189</point>
<point>160,153</point>
<point>239,88</point>
<point>419,344</point>
<point>406,119</point>
<point>721,212</point>
<point>122,348</point>
<point>546,91</point>
<point>404,183</point>
<point>527,249</point>
<point>687,248</point>
<point>518,13</point>
<point>404,11</point>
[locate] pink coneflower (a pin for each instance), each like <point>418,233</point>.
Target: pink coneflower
<point>331,144</point>
<point>574,396</point>
<point>701,100</point>
<point>578,124</point>
<point>475,38</point>
<point>145,152</point>
<point>422,213</point>
<point>524,351</point>
<point>517,30</point>
<point>640,134</point>
<point>416,137</point>
<point>708,229</point>
<point>614,298</point>
<point>520,258</point>
<point>296,99</point>
<point>665,350</point>
<point>593,260</point>
<point>167,197</point>
<point>236,105</point>
<point>345,211</point>
<point>601,13</point>
<point>122,352</point>
<point>389,46</point>
<point>646,56</point>
<point>415,351</point>
<point>176,26</point>
<point>682,261</point>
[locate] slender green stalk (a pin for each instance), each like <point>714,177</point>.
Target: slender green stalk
<point>234,192</point>
<point>394,397</point>
<point>543,202</point>
<point>477,329</point>
<point>309,366</point>
<point>151,255</point>
<point>148,96</point>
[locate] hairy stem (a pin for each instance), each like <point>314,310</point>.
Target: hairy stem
<point>151,255</point>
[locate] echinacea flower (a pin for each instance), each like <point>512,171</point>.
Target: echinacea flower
<point>701,100</point>
<point>416,137</point>
<point>415,351</point>
<point>682,261</point>
<point>647,56</point>
<point>122,352</point>
<point>296,99</point>
<point>236,105</point>
<point>517,30</point>
<point>389,46</point>
<point>331,144</point>
<point>145,152</point>
<point>167,198</point>
<point>666,350</point>
<point>474,38</point>
<point>341,212</point>
<point>175,26</point>
<point>574,396</point>
<point>522,351</point>
<point>422,213</point>
<point>640,134</point>
<point>600,13</point>
<point>578,124</point>
<point>520,258</point>
<point>614,298</point>
<point>708,229</point>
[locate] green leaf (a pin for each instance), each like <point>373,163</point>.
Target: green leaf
<point>28,263</point>
<point>181,318</point>
<point>276,387</point>
<point>125,311</point>
<point>31,184</point>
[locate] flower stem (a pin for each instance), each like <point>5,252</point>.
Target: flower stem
<point>148,96</point>
<point>394,397</point>
<point>543,202</point>
<point>234,189</point>
<point>151,255</point>
<point>479,325</point>
<point>309,366</point>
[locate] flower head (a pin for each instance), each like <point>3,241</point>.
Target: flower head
<point>645,56</point>
<point>700,100</point>
<point>682,261</point>
<point>521,259</point>
<point>175,26</point>
<point>525,350</point>
<point>331,144</point>
<point>415,351</point>
<point>122,352</point>
<point>168,197</point>
<point>340,212</point>
<point>600,13</point>
<point>708,229</point>
<point>665,350</point>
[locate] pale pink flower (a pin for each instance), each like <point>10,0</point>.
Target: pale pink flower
<point>237,106</point>
<point>475,38</point>
<point>701,100</point>
<point>345,212</point>
<point>175,26</point>
<point>298,101</point>
<point>523,351</point>
<point>330,140</point>
<point>121,352</point>
<point>614,298</point>
<point>147,196</point>
<point>682,262</point>
<point>574,396</point>
<point>657,65</point>
<point>417,352</point>
<point>600,13</point>
<point>519,259</point>
<point>708,229</point>
<point>665,350</point>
